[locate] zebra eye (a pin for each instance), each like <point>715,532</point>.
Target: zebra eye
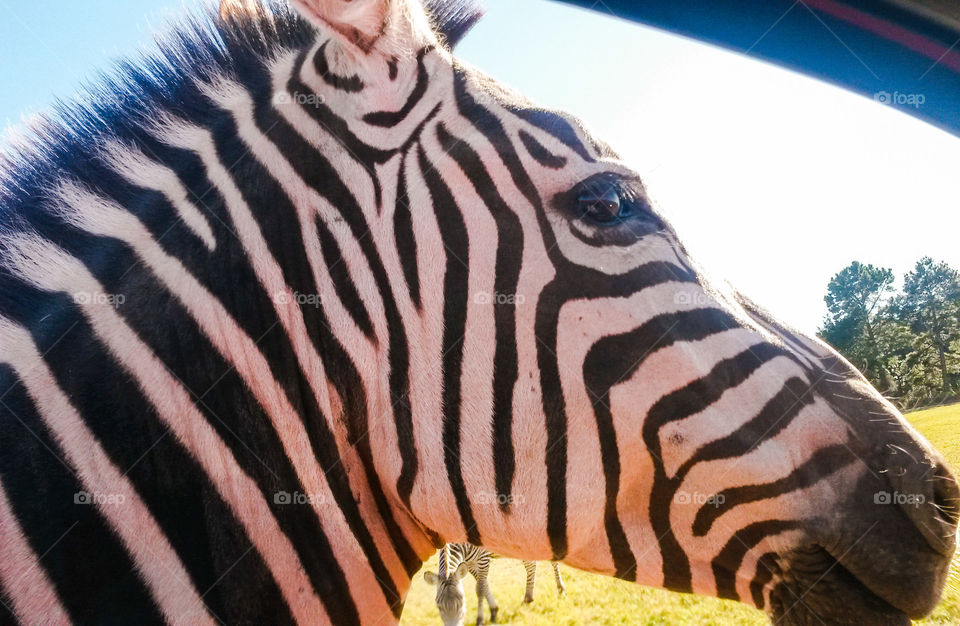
<point>602,203</point>
<point>608,209</point>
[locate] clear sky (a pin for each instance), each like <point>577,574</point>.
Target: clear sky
<point>775,181</point>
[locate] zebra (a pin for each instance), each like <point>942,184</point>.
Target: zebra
<point>456,559</point>
<point>299,297</point>
<point>530,567</point>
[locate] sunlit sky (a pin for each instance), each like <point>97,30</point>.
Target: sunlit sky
<point>775,181</point>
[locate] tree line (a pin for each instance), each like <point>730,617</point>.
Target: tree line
<point>906,341</point>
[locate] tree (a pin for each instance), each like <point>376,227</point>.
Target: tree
<point>855,299</point>
<point>895,343</point>
<point>931,305</point>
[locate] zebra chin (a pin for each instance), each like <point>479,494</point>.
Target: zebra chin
<point>881,571</point>
<point>860,585</point>
<point>816,588</point>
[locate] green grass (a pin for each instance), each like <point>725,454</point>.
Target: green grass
<point>593,599</point>
<point>940,426</point>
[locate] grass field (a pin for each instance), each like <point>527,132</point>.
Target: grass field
<point>598,600</point>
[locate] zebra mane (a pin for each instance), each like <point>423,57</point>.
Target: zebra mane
<point>120,104</point>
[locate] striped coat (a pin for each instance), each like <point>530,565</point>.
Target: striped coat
<point>289,305</point>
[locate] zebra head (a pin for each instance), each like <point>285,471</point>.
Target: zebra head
<point>567,384</point>
<point>450,598</point>
<point>311,298</point>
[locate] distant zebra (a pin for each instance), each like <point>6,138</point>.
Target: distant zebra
<point>456,559</point>
<point>300,298</point>
<point>531,569</point>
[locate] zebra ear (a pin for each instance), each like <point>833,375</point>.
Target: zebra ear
<point>461,571</point>
<point>453,19</point>
<point>431,578</point>
<point>360,22</point>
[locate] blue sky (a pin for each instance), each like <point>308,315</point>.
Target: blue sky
<point>775,181</point>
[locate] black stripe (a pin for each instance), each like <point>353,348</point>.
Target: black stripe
<point>555,125</point>
<point>389,119</point>
<point>281,227</point>
<point>166,315</point>
<point>349,84</point>
<point>553,297</point>
<point>510,243</point>
<point>540,154</point>
<point>823,463</point>
<point>555,414</point>
<point>728,561</point>
<point>86,562</point>
<point>615,359</point>
<point>403,236</point>
<point>202,528</point>
<point>453,231</point>
<point>578,282</point>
